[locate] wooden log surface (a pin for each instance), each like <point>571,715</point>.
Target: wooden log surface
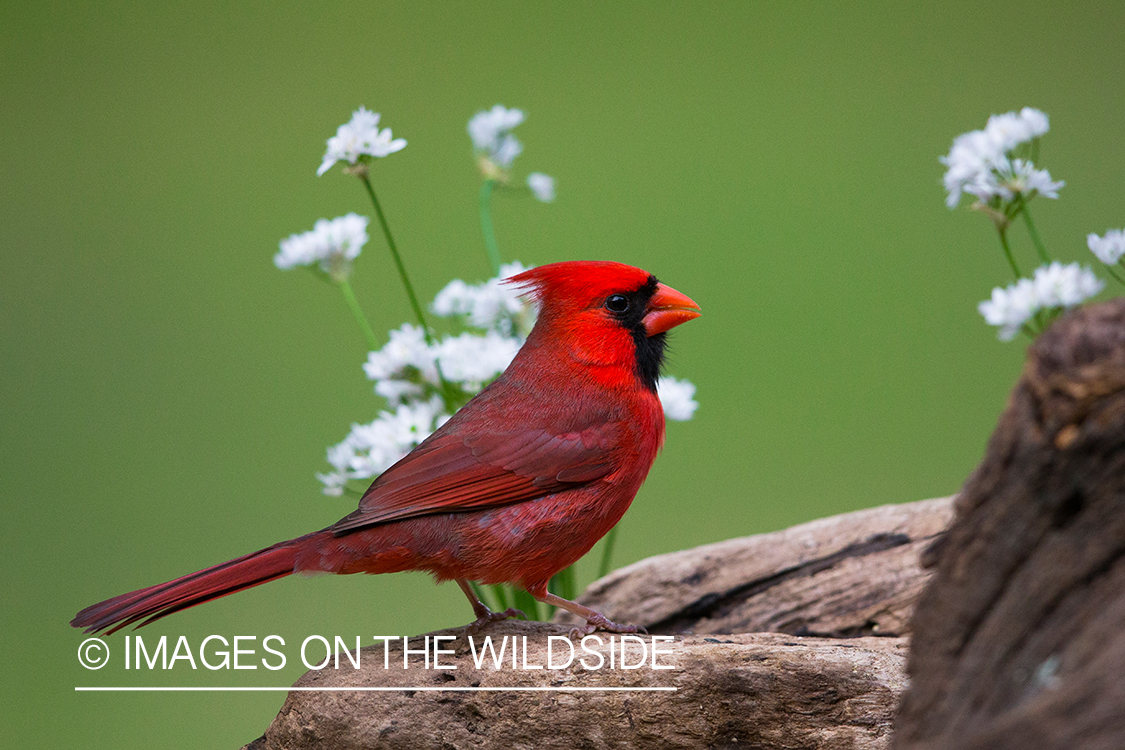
<point>848,575</point>
<point>801,686</point>
<point>761,690</point>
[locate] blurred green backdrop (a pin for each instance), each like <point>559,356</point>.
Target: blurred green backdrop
<point>168,394</point>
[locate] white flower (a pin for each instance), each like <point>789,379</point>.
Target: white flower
<point>677,397</point>
<point>360,136</point>
<point>1025,178</point>
<point>1054,286</point>
<point>1110,248</point>
<point>455,298</point>
<point>542,185</point>
<point>487,127</point>
<point>371,449</point>
<point>491,134</point>
<point>398,391</point>
<point>341,457</point>
<point>406,368</point>
<point>1011,129</point>
<point>971,155</point>
<point>391,436</point>
<point>473,360</point>
<point>1057,285</point>
<point>1010,308</point>
<point>406,350</point>
<point>491,305</point>
<point>507,151</point>
<point>1007,178</point>
<point>979,160</point>
<point>331,244</point>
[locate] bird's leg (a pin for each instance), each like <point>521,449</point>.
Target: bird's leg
<point>483,613</point>
<point>594,620</point>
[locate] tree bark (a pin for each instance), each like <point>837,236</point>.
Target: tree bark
<point>1019,640</point>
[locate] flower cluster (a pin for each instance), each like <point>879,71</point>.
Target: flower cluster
<point>406,373</point>
<point>371,449</point>
<point>492,305</point>
<point>1108,249</point>
<point>407,367</point>
<point>497,320</point>
<point>1054,288</point>
<point>496,148</point>
<point>331,246</point>
<point>995,165</point>
<point>360,137</point>
<point>983,163</point>
<point>491,132</point>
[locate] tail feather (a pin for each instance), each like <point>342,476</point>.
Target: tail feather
<point>152,603</point>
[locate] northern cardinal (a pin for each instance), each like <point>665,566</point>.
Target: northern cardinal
<point>518,484</point>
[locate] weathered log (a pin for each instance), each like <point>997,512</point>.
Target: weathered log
<point>763,690</point>
<point>843,576</point>
<point>852,574</point>
<point>1019,640</point>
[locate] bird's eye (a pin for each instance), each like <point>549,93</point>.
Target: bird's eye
<point>617,303</point>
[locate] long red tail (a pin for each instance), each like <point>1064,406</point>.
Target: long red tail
<point>154,602</point>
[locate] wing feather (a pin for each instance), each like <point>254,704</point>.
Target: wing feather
<point>452,472</point>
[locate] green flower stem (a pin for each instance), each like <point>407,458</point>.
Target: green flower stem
<point>486,225</point>
<point>564,584</point>
<point>1039,248</point>
<point>1111,272</point>
<point>526,603</point>
<point>501,593</point>
<point>398,259</point>
<point>353,305</point>
<point>1008,252</point>
<point>447,394</point>
<point>607,552</point>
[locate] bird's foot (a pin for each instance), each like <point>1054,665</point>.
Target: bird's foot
<point>595,620</point>
<point>481,610</point>
<point>489,616</point>
<point>598,621</point>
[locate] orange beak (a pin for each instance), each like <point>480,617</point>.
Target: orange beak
<point>667,309</point>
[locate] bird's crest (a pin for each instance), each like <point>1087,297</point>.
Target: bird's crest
<point>578,282</point>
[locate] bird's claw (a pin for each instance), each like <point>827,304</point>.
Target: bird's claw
<point>489,616</point>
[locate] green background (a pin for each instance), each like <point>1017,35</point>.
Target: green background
<point>168,394</point>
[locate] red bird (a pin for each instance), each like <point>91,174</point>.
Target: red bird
<point>518,484</point>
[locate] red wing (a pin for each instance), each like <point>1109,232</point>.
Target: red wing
<point>451,472</point>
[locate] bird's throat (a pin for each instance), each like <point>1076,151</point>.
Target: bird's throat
<point>649,357</point>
